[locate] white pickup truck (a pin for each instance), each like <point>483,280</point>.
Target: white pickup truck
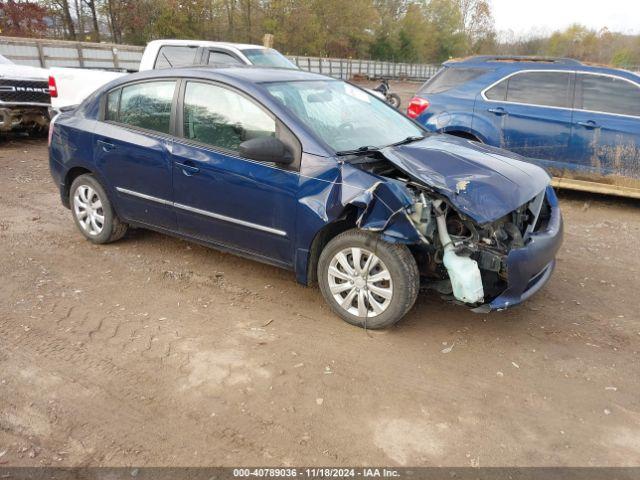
<point>24,97</point>
<point>70,86</point>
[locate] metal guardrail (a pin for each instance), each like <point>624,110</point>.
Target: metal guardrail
<point>61,53</point>
<point>348,68</point>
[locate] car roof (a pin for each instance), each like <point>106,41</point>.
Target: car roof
<point>244,74</point>
<point>507,64</point>
<point>515,60</point>
<point>205,43</point>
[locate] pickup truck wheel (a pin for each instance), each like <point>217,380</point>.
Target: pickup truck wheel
<point>93,212</point>
<point>368,282</point>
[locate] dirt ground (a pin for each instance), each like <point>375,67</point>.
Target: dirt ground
<point>154,351</point>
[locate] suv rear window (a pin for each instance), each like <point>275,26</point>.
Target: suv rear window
<point>448,78</point>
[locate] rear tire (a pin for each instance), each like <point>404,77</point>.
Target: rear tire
<point>92,211</point>
<point>368,282</point>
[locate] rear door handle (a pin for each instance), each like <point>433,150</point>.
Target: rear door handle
<point>589,124</point>
<point>106,146</point>
<point>188,168</point>
<point>498,111</point>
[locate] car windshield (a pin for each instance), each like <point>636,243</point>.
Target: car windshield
<point>268,57</point>
<point>344,116</point>
<point>4,60</point>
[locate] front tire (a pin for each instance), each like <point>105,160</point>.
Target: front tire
<point>92,211</point>
<point>368,282</point>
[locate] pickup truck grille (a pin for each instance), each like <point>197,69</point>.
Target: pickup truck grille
<point>24,91</point>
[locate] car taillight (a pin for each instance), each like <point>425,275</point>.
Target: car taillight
<point>53,89</point>
<point>417,106</point>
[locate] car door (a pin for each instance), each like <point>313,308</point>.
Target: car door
<point>131,152</point>
<point>606,128</point>
<point>531,111</point>
<point>220,196</point>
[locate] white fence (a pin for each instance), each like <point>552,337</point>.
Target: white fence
<point>59,53</point>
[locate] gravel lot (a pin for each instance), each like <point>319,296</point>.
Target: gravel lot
<point>154,351</point>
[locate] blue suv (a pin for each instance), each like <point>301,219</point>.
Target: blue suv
<point>581,122</point>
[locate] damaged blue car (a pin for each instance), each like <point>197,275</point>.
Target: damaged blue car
<point>310,174</point>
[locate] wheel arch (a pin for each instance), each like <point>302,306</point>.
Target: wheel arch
<point>345,222</point>
<point>69,178</point>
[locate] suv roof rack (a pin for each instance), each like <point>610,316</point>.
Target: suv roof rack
<point>516,59</point>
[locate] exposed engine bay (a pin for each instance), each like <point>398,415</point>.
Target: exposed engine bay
<point>457,256</point>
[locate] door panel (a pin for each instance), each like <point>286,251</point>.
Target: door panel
<point>131,151</point>
<point>221,197</point>
<point>606,128</point>
<point>532,112</point>
<point>139,169</point>
<point>235,202</point>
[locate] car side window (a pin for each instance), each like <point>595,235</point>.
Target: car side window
<point>498,92</point>
<point>222,58</point>
<point>113,100</point>
<point>548,89</point>
<point>223,118</point>
<point>601,93</point>
<point>146,105</point>
<point>172,56</point>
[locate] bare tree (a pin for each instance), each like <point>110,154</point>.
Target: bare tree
<point>62,6</point>
<point>94,18</point>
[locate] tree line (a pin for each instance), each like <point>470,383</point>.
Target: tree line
<point>429,31</point>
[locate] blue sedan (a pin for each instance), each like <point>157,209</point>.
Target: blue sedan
<point>310,174</point>
<point>579,121</point>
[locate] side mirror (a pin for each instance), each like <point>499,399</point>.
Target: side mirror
<point>266,149</point>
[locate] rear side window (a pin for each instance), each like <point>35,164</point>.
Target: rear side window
<point>448,78</point>
<point>172,56</point>
<point>223,118</point>
<point>551,89</point>
<point>113,100</point>
<point>144,105</point>
<point>222,58</point>
<point>599,93</point>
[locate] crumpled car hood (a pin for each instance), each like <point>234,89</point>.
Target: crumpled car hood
<point>482,182</point>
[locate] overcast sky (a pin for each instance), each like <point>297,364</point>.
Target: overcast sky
<point>526,17</point>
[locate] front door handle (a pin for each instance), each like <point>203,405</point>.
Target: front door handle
<point>188,168</point>
<point>589,124</point>
<point>106,146</point>
<point>498,111</point>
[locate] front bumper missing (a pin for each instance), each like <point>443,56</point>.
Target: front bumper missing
<point>530,267</point>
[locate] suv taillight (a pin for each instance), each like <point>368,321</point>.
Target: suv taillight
<point>53,89</point>
<point>417,106</point>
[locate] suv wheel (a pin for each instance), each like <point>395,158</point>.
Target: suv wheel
<point>368,282</point>
<point>93,212</point>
